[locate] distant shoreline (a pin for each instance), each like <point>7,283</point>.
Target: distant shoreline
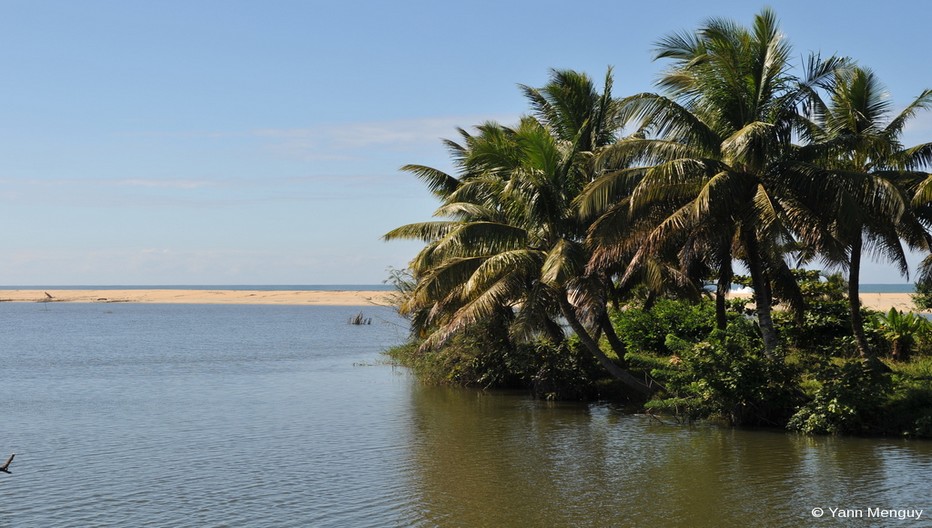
<point>202,296</point>
<point>875,301</point>
<point>907,288</point>
<point>882,302</point>
<point>231,287</point>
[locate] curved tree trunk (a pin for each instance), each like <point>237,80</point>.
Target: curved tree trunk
<point>790,292</point>
<point>554,332</point>
<point>762,295</point>
<point>721,308</point>
<point>605,323</point>
<point>725,274</point>
<point>854,302</point>
<point>637,386</point>
<point>650,301</point>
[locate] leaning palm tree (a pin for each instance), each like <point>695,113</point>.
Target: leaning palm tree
<point>865,206</point>
<point>513,243</point>
<point>712,151</point>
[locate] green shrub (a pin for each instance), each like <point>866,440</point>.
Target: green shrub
<point>647,330</point>
<point>728,377</point>
<point>903,331</point>
<point>907,410</point>
<point>922,298</point>
<point>475,357</point>
<point>849,395</point>
<point>825,326</point>
<point>478,355</point>
<point>559,372</point>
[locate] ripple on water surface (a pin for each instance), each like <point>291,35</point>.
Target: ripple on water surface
<point>180,415</point>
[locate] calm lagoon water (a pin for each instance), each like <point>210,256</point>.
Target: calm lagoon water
<point>213,415</point>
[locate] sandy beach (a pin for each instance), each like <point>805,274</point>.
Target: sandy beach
<point>878,301</point>
<point>321,298</point>
<point>874,301</point>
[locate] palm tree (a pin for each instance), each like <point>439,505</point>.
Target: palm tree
<point>713,153</point>
<point>514,243</point>
<point>902,331</point>
<point>859,143</point>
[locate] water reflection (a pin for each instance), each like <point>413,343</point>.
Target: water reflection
<point>489,459</point>
<point>133,415</point>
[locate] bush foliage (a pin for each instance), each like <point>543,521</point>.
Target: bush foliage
<point>474,358</point>
<point>816,385</point>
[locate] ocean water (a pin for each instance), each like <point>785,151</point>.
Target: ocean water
<point>271,416</point>
<point>888,288</point>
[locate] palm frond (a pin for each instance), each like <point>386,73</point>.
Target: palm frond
<point>523,262</point>
<point>606,191</point>
<point>565,261</point>
<point>438,182</point>
<point>425,231</point>
<point>747,145</point>
<point>505,292</point>
<point>466,211</point>
<point>480,238</point>
<point>672,180</point>
<point>896,125</point>
<point>916,157</point>
<point>665,117</point>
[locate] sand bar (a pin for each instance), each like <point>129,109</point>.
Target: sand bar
<point>874,301</point>
<point>879,301</point>
<point>315,297</point>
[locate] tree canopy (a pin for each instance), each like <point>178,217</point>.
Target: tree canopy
<point>590,200</point>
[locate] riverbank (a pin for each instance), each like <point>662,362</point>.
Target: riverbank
<point>174,296</point>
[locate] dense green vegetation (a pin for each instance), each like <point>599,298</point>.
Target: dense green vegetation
<point>571,251</point>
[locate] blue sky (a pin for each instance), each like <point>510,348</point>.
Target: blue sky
<point>235,142</point>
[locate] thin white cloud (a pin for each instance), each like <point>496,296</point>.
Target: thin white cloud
<point>163,265</point>
<point>159,183</point>
<point>316,163</point>
<point>353,140</point>
<point>184,134</point>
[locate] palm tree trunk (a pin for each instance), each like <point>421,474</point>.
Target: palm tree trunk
<point>605,323</point>
<point>638,387</point>
<point>650,300</point>
<point>725,274</point>
<point>554,332</point>
<point>721,308</point>
<point>762,295</point>
<point>854,302</point>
